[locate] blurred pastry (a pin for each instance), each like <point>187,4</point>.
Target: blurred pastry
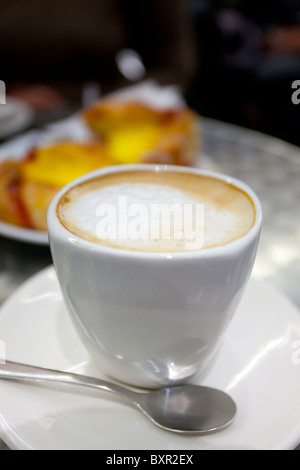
<point>27,187</point>
<point>59,163</point>
<point>136,133</point>
<point>12,210</point>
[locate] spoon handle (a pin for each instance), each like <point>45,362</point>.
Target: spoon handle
<point>16,371</point>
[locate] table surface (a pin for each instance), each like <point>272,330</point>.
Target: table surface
<point>270,166</point>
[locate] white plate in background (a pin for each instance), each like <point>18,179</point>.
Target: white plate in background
<point>15,116</point>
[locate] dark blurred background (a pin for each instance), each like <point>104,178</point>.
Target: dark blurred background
<point>235,60</point>
<point>249,52</point>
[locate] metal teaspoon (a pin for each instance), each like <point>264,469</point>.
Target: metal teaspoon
<point>188,409</point>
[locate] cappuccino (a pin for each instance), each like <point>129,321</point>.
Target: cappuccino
<point>164,211</point>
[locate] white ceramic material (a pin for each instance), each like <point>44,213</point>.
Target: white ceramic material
<point>258,365</point>
<point>151,319</point>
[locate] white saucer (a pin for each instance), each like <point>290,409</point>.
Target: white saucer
<point>258,365</point>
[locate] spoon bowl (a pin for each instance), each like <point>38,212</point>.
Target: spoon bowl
<point>188,409</point>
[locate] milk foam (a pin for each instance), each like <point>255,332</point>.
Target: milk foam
<point>154,217</point>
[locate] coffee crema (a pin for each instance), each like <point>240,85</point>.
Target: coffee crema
<point>164,211</point>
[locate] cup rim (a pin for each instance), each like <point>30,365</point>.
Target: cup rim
<point>55,226</point>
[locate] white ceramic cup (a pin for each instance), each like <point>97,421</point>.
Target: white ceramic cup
<point>151,319</point>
